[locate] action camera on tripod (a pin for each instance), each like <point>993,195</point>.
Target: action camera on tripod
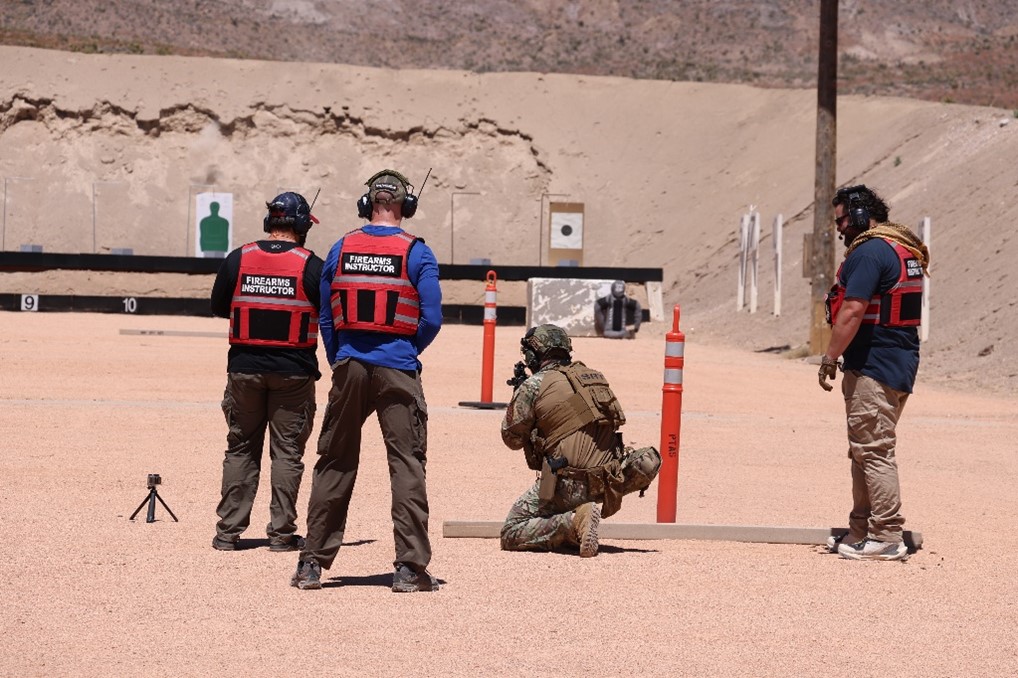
<point>154,479</point>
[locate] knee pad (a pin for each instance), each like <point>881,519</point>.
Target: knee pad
<point>639,468</point>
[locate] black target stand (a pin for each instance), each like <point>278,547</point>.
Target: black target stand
<point>153,494</point>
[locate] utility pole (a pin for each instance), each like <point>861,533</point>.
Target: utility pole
<point>822,245</point>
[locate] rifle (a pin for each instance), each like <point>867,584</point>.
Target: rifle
<point>519,375</point>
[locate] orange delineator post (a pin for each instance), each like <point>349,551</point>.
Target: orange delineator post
<point>488,357</point>
<point>671,422</point>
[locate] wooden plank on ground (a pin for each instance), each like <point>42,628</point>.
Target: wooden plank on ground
<point>638,531</point>
<point>175,333</point>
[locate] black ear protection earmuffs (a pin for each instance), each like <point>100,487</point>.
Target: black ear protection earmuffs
<point>364,207</point>
<point>858,215</point>
<point>407,209</point>
<point>289,210</point>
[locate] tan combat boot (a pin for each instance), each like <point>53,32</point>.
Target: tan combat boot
<point>585,521</point>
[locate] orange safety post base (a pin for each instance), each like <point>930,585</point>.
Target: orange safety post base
<point>488,354</point>
<point>671,422</point>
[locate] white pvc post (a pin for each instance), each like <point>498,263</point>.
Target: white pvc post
<point>754,246</point>
<point>779,223</point>
<point>740,297</point>
<point>925,234</point>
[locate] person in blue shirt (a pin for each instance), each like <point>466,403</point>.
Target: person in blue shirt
<point>381,307</point>
<point>875,310</point>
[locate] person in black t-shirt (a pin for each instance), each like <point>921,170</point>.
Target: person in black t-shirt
<point>269,289</point>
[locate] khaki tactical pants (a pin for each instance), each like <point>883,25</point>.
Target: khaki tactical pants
<point>872,411</point>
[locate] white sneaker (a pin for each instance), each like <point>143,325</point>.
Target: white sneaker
<point>871,549</point>
<point>834,542</point>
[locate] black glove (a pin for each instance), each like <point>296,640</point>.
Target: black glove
<point>828,370</point>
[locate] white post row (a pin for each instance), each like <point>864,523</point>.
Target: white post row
<point>749,241</point>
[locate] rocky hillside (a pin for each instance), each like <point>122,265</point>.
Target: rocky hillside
<point>958,51</point>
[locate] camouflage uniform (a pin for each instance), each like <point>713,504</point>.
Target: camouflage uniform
<point>596,467</point>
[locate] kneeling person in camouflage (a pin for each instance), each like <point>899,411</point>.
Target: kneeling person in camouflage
<point>566,419</point>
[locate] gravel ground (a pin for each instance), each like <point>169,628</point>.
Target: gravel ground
<point>86,413</point>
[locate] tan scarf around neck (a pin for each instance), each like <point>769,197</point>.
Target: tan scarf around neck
<point>902,235</point>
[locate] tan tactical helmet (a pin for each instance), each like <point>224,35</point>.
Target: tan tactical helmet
<point>541,342</point>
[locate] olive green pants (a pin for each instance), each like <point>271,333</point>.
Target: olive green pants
<point>285,404</point>
<point>358,389</point>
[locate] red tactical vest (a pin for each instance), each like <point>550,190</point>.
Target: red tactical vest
<point>372,291</point>
<point>270,307</point>
<point>900,306</point>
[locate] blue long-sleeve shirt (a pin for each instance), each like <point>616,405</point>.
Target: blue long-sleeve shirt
<point>379,348</point>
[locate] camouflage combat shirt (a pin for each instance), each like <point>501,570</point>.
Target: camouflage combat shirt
<point>590,447</point>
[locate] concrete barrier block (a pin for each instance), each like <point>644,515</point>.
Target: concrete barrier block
<point>566,302</point>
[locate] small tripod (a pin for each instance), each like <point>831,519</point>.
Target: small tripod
<point>153,494</point>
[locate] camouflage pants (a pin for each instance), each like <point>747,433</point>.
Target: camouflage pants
<point>533,525</point>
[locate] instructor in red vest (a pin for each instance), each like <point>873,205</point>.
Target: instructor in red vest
<point>269,290</point>
<point>381,308</point>
<point>874,307</point>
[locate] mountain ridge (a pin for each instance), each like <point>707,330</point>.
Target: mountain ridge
<point>952,51</point>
